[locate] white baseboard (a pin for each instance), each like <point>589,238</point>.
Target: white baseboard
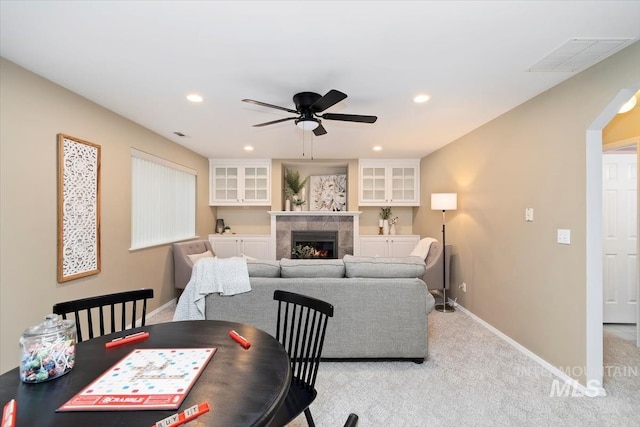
<point>162,307</point>
<point>586,391</point>
<point>154,312</point>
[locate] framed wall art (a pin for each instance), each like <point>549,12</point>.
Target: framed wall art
<point>78,208</point>
<point>328,193</point>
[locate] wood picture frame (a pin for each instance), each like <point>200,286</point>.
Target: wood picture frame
<point>78,208</point>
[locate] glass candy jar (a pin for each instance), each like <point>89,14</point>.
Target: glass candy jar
<point>47,350</point>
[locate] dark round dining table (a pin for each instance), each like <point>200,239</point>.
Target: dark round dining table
<point>242,387</point>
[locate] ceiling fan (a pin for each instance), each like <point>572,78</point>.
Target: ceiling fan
<point>308,105</point>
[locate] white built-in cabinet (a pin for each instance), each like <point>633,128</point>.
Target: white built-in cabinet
<point>239,182</point>
<point>254,246</point>
<point>388,246</point>
<point>389,182</point>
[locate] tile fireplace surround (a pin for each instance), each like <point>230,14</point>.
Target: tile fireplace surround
<point>346,224</point>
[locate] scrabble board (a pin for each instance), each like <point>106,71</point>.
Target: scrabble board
<point>144,379</point>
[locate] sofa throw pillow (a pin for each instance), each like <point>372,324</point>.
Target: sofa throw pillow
<point>263,268</point>
<point>293,268</point>
<point>195,257</point>
<point>384,268</point>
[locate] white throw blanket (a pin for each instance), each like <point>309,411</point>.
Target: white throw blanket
<point>422,248</point>
<point>228,276</point>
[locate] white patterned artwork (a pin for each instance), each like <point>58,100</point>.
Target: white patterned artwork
<point>328,193</point>
<point>78,208</point>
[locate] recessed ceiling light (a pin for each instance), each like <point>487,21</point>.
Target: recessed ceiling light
<point>419,99</point>
<point>248,148</point>
<point>194,97</point>
<point>377,148</point>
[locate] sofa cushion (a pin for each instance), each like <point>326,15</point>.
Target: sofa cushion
<point>293,268</point>
<point>381,267</point>
<point>263,268</point>
<point>195,257</point>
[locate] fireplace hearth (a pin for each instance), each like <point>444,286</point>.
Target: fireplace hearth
<point>319,244</point>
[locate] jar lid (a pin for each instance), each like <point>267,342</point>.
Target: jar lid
<point>52,324</point>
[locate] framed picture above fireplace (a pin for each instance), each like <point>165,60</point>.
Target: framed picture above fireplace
<point>328,193</point>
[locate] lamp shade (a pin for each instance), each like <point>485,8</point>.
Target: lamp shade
<point>444,201</point>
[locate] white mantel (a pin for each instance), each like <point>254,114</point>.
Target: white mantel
<point>354,214</point>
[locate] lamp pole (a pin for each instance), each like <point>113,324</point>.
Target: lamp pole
<point>444,202</point>
<point>444,307</point>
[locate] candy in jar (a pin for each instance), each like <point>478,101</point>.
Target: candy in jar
<point>47,349</point>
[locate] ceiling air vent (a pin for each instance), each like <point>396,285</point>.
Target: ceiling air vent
<point>577,54</point>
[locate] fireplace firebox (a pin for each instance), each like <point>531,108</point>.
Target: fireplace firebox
<point>314,244</point>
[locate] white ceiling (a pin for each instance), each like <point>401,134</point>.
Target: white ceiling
<point>141,58</point>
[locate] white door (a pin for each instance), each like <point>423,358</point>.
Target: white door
<point>620,261</point>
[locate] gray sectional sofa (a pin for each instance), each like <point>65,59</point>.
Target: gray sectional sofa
<point>380,304</point>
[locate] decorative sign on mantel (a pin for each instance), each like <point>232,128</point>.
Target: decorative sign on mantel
<point>78,208</point>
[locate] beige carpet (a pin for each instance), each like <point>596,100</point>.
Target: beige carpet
<point>472,378</point>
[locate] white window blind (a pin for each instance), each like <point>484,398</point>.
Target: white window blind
<point>163,201</point>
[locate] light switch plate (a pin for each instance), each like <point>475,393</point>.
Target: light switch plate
<point>528,214</point>
<point>564,236</point>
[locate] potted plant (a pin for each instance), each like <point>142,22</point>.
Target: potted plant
<point>385,215</point>
<point>385,212</point>
<point>227,229</point>
<point>293,184</point>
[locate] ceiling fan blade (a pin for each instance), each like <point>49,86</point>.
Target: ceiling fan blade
<point>350,118</point>
<point>320,130</point>
<point>273,122</point>
<point>264,104</point>
<point>330,99</point>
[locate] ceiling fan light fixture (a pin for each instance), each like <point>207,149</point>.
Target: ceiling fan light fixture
<point>422,98</point>
<point>307,123</point>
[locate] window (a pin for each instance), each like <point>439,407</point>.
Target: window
<point>163,201</point>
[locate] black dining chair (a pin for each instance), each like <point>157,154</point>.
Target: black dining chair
<point>352,421</point>
<point>111,310</point>
<point>300,328</point>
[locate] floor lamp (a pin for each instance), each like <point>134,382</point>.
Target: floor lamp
<point>444,202</point>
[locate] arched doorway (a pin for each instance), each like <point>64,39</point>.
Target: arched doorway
<point>594,294</point>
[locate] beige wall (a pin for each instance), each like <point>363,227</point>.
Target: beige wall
<point>518,278</point>
<point>33,112</point>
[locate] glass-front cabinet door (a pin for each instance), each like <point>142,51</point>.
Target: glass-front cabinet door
<point>389,182</point>
<point>225,184</point>
<point>403,184</point>
<point>256,184</point>
<point>238,182</point>
<point>373,185</point>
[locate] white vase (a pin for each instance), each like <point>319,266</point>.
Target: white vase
<point>385,227</point>
<point>297,208</point>
<point>392,229</point>
<point>287,205</point>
